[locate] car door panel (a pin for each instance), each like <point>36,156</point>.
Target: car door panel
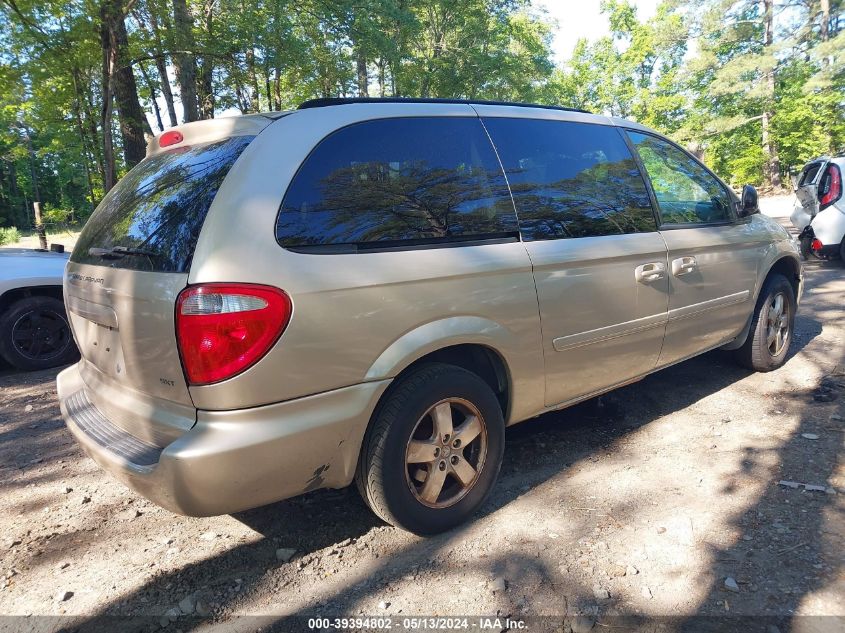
<point>713,255</point>
<point>600,326</point>
<point>599,264</point>
<point>710,304</point>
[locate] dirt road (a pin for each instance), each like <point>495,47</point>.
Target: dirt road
<point>660,498</point>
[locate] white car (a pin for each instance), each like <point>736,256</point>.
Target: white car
<point>819,211</point>
<point>34,330</point>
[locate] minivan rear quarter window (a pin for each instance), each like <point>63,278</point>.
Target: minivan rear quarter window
<point>571,179</point>
<point>150,220</point>
<point>402,182</point>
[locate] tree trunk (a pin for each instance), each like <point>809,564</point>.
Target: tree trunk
<point>825,24</point>
<point>39,226</point>
<point>239,95</point>
<point>161,67</point>
<point>206,89</point>
<point>129,113</point>
<point>380,66</point>
<point>277,90</point>
<point>253,80</point>
<point>206,86</point>
<point>77,111</point>
<point>769,146</point>
<point>36,192</point>
<point>166,92</point>
<point>361,64</point>
<point>93,135</point>
<point>184,60</point>
<point>109,64</point>
<point>151,88</point>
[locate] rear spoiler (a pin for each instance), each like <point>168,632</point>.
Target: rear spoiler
<point>211,130</point>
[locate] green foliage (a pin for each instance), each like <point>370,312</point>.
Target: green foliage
<point>56,216</point>
<point>9,235</point>
<point>753,106</point>
<point>737,157</point>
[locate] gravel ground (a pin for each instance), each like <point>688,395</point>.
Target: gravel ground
<point>662,498</point>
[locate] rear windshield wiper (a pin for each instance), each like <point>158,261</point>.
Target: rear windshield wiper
<point>115,252</point>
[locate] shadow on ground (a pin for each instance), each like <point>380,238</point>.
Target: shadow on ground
<point>790,554</point>
<point>325,518</point>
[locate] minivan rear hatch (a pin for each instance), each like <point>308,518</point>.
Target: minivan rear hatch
<point>121,285</point>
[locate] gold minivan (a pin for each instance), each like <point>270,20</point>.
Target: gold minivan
<point>373,289</point>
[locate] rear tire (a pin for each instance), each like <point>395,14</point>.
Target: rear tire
<point>35,334</point>
<point>772,326</point>
<point>433,452</point>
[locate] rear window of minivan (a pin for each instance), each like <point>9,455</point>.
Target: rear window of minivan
<point>150,220</point>
<point>388,183</point>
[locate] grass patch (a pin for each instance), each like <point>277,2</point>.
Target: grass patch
<point>9,235</point>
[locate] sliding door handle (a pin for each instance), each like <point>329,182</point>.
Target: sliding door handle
<point>684,266</point>
<point>646,273</point>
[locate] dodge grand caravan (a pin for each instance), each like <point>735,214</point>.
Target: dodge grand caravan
<point>372,290</point>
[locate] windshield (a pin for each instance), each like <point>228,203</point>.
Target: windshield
<point>152,218</point>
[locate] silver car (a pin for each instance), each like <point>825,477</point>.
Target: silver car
<point>372,290</point>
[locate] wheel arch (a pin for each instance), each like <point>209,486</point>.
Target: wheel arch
<point>472,343</point>
<point>13,295</point>
<point>787,265</point>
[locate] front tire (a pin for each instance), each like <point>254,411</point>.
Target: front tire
<point>34,334</point>
<point>433,452</point>
<point>772,326</point>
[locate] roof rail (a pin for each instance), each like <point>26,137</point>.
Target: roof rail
<point>332,101</point>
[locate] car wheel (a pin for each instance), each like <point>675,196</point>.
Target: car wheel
<point>35,334</point>
<point>842,251</point>
<point>772,324</point>
<point>433,452</point>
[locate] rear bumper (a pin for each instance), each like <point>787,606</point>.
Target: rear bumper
<point>231,460</point>
<point>826,250</point>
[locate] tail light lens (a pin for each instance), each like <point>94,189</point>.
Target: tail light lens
<point>223,329</point>
<point>831,187</point>
<point>816,244</point>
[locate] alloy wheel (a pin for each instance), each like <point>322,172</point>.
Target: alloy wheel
<point>777,334</point>
<point>446,452</point>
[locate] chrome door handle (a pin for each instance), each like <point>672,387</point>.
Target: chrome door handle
<point>684,266</point>
<point>646,273</point>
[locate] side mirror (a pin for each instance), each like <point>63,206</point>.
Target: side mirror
<point>749,205</point>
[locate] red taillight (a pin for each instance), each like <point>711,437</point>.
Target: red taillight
<point>223,329</point>
<point>170,138</point>
<point>834,187</point>
<point>816,244</point>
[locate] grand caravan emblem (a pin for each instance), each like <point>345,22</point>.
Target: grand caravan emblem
<point>88,278</point>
